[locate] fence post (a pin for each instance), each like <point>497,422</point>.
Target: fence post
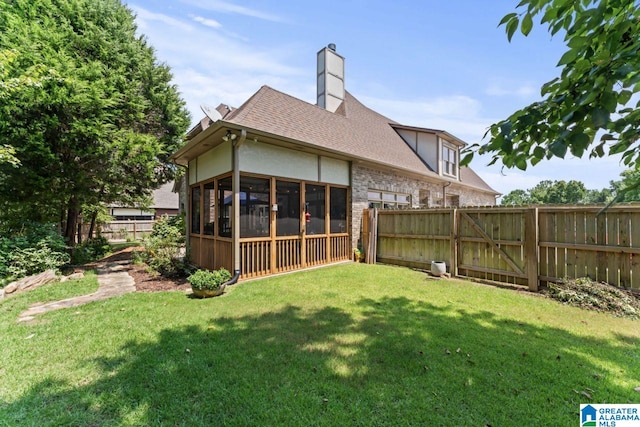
<point>531,249</point>
<point>453,243</point>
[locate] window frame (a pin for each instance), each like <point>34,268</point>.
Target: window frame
<point>449,168</point>
<point>382,199</point>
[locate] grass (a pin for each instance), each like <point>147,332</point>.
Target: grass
<point>345,345</point>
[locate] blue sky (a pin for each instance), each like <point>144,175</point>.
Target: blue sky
<point>429,63</point>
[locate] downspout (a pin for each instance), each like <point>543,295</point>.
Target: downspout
<point>444,194</point>
<point>236,205</point>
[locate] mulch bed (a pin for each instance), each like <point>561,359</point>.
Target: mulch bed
<point>144,280</point>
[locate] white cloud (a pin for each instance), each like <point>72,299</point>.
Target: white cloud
<point>146,19</point>
<point>456,114</point>
<point>226,7</point>
<point>211,66</point>
<point>207,22</point>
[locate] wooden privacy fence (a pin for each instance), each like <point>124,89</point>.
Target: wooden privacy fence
<point>522,245</point>
<point>126,230</point>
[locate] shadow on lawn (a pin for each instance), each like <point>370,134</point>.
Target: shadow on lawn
<point>401,363</point>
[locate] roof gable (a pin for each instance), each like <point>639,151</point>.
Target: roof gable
<point>353,130</point>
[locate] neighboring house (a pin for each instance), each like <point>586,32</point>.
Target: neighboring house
<point>280,184</point>
<point>165,202</point>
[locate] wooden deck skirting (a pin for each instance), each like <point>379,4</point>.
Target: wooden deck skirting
<point>515,245</point>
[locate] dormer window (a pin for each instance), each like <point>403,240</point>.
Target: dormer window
<point>449,160</point>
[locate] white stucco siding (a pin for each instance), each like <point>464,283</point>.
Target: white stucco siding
<point>265,159</point>
<point>334,171</point>
<point>193,171</point>
<point>214,162</point>
<point>428,149</point>
<point>424,144</point>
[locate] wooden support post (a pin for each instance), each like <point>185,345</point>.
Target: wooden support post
<point>303,226</point>
<point>453,243</point>
<point>273,200</point>
<point>531,247</point>
<point>327,223</point>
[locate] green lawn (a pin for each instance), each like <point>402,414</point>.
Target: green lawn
<point>351,344</point>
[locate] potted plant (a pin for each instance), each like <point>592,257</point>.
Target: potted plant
<point>205,283</point>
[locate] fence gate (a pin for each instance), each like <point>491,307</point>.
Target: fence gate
<point>493,245</point>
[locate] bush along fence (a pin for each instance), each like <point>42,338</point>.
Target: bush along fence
<point>515,245</point>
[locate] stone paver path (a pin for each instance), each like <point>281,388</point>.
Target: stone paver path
<point>113,280</point>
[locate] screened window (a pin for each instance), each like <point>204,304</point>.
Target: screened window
<point>225,198</point>
<point>449,161</point>
<point>195,210</point>
<point>288,216</point>
<point>254,207</point>
<point>338,209</point>
<point>209,209</point>
<point>315,206</point>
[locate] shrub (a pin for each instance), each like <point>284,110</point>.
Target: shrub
<point>30,249</point>
<point>91,250</point>
<point>162,249</point>
<point>207,280</point>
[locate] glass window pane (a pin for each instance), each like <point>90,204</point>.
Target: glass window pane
<point>209,211</point>
<point>338,210</point>
<point>254,207</point>
<point>372,195</point>
<point>388,196</point>
<point>315,203</point>
<point>225,214</point>
<point>288,217</point>
<point>403,198</point>
<point>195,210</point>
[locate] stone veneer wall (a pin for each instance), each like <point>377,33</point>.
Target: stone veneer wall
<point>364,178</point>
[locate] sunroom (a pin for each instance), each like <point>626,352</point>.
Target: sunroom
<point>260,205</point>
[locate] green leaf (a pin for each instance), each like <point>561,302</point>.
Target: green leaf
<point>527,24</point>
<point>521,163</point>
<point>599,117</point>
<point>609,101</point>
<point>512,26</point>
<point>550,14</point>
<point>538,154</point>
<point>507,17</point>
<point>558,148</point>
<point>568,57</point>
<point>579,142</point>
<point>624,96</point>
<point>466,159</point>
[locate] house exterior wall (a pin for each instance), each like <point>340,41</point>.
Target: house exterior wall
<point>365,178</point>
<point>424,144</point>
<point>212,163</point>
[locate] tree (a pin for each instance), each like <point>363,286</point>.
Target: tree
<point>549,192</point>
<point>89,112</point>
<point>590,107</point>
<point>516,198</point>
<point>627,189</point>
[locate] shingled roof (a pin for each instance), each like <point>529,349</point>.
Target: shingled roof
<point>353,130</point>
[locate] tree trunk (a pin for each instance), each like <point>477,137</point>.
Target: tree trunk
<point>72,222</point>
<point>92,226</point>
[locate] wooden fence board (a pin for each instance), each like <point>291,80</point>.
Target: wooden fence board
<point>518,245</point>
